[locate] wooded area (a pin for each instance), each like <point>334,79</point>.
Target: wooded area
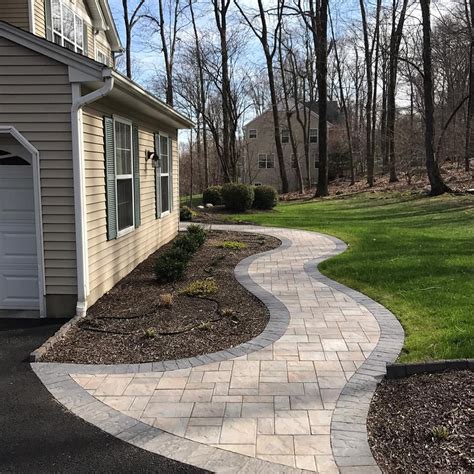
<point>401,72</point>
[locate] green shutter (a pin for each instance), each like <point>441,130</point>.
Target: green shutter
<point>136,176</point>
<point>48,20</point>
<point>110,178</point>
<point>157,179</point>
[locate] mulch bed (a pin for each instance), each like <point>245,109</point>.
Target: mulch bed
<point>424,423</point>
<point>130,324</point>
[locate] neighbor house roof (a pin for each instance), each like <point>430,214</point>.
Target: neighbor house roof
<point>91,73</point>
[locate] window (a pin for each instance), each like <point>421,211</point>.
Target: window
<point>313,135</point>
<point>285,136</point>
<point>252,133</point>
<point>163,180</point>
<point>10,159</point>
<point>124,174</point>
<point>315,160</point>
<point>266,161</point>
<point>68,28</point>
<point>294,161</point>
<point>101,57</point>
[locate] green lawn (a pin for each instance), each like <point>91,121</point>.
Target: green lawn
<point>185,200</point>
<point>413,254</point>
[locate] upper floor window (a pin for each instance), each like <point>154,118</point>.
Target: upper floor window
<point>266,161</point>
<point>252,133</point>
<point>285,136</point>
<point>68,28</point>
<point>101,57</point>
<point>313,135</point>
<point>294,161</point>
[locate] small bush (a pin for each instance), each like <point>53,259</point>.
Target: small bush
<point>197,233</point>
<point>205,326</point>
<point>266,197</point>
<point>200,288</point>
<point>171,265</point>
<point>166,300</point>
<point>212,195</point>
<point>232,245</point>
<point>237,197</point>
<point>440,433</point>
<point>185,214</point>
<point>186,243</point>
<point>149,333</point>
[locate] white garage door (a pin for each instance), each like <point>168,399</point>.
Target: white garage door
<point>18,262</point>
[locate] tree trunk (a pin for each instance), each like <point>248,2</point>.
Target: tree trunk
<point>469,147</point>
<point>436,181</point>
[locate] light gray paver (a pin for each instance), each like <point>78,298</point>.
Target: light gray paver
<point>294,398</point>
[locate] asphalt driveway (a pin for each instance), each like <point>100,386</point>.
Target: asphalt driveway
<point>38,435</point>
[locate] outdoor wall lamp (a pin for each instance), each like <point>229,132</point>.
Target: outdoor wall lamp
<point>155,159</point>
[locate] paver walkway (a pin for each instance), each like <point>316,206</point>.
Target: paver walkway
<point>297,396</point>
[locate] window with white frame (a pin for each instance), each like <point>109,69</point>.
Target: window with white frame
<point>266,160</point>
<point>313,135</point>
<point>101,57</point>
<point>285,136</point>
<point>124,174</point>
<point>68,27</point>
<point>165,173</point>
<point>252,133</point>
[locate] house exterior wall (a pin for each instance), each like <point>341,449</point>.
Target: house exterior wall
<point>265,143</point>
<point>95,42</point>
<point>15,12</point>
<point>35,98</point>
<point>111,260</point>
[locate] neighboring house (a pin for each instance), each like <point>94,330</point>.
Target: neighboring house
<point>261,161</point>
<point>83,195</point>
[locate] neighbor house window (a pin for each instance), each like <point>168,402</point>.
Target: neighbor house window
<point>124,174</point>
<point>266,160</point>
<point>68,28</point>
<point>315,160</point>
<point>313,135</point>
<point>294,161</point>
<point>252,133</point>
<point>285,136</point>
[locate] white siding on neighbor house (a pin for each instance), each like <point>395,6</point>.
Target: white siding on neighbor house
<point>15,12</point>
<point>35,97</point>
<point>110,261</point>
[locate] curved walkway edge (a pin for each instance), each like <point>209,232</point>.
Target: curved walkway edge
<point>295,398</point>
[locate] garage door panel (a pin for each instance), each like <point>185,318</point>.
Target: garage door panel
<point>16,205</point>
<point>18,289</point>
<point>17,247</point>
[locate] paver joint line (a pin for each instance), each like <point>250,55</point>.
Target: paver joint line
<point>297,395</point>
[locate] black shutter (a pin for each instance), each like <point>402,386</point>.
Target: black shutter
<point>136,176</point>
<point>111,205</point>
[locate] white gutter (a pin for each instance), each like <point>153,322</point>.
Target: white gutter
<point>78,102</point>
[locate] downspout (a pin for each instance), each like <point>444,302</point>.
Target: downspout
<point>78,102</point>
<point>31,16</point>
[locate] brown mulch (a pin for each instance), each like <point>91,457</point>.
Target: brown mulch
<point>424,423</point>
<point>117,327</point>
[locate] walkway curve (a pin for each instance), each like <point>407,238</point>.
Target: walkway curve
<point>294,398</point>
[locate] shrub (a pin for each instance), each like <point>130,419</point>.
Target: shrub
<point>212,195</point>
<point>232,245</point>
<point>149,333</point>
<point>266,197</point>
<point>185,214</point>
<point>186,243</point>
<point>166,300</point>
<point>197,233</point>
<point>171,265</point>
<point>200,288</point>
<point>237,197</point>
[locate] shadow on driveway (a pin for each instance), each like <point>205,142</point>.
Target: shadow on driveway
<point>39,435</point>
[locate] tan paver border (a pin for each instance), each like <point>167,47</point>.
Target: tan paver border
<point>348,427</point>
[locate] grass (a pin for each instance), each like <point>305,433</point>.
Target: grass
<point>413,254</point>
<point>186,200</point>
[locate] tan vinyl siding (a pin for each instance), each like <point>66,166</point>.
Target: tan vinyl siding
<point>35,97</point>
<point>109,261</point>
<point>15,12</point>
<point>40,28</point>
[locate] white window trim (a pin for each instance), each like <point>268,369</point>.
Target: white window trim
<point>287,135</point>
<point>97,52</point>
<point>127,230</point>
<point>267,160</point>
<point>168,139</point>
<point>76,13</point>
<point>252,130</point>
<point>311,136</point>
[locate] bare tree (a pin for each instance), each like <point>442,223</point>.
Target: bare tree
<point>469,148</point>
<point>269,43</point>
<point>436,181</point>
<point>130,22</point>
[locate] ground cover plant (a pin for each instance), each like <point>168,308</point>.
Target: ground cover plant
<point>144,319</point>
<point>413,254</point>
